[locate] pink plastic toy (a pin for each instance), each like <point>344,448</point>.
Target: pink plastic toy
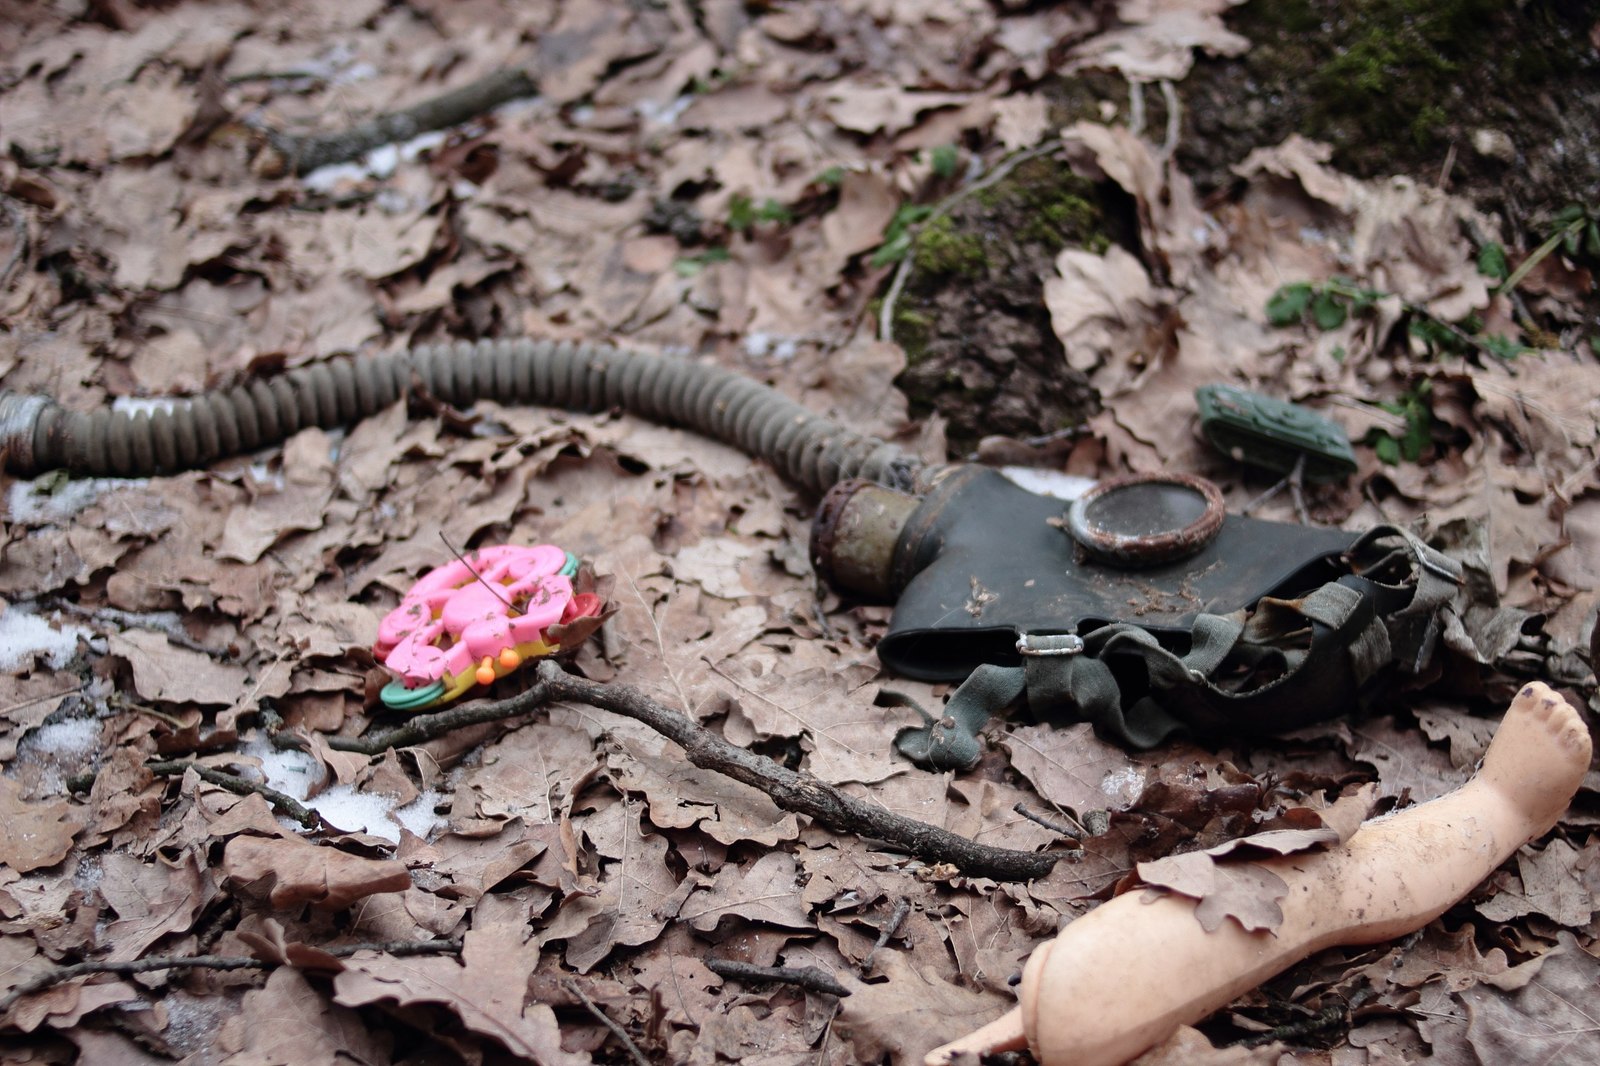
<point>477,619</point>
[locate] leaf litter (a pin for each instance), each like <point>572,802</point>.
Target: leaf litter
<point>715,181</point>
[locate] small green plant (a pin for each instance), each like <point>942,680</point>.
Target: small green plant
<point>945,160</point>
<point>688,266</point>
<point>744,213</point>
<point>1328,305</point>
<point>1418,433</point>
<point>897,237</point>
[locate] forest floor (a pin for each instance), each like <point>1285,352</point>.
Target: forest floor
<point>1050,224</point>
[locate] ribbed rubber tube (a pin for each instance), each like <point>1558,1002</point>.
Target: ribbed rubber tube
<point>38,435</point>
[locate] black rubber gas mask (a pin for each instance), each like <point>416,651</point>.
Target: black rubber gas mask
<point>1142,606</point>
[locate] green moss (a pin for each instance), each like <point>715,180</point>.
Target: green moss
<point>1381,74</point>
<point>943,250</point>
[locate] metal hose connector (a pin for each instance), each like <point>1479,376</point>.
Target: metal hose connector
<point>38,435</point>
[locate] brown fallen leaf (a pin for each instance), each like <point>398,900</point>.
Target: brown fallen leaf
<point>910,1014</point>
<point>1550,1022</point>
<point>293,872</point>
<point>166,673</point>
<point>487,988</point>
<point>290,1023</point>
<point>766,892</point>
<point>1243,891</point>
<point>151,899</point>
<point>1073,768</point>
<point>33,835</point>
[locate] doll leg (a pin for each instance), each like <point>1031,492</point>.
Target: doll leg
<point>1124,977</point>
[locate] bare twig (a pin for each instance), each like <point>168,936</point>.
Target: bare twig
<point>19,226</point>
<point>307,152</point>
<point>902,272</point>
<point>285,805</point>
<point>890,927</point>
<point>1055,825</point>
<point>605,1019</point>
<point>789,789</point>
<point>807,977</point>
<point>1174,119</point>
<point>169,626</point>
<point>56,975</point>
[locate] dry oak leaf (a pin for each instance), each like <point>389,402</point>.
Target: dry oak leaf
<point>767,892</point>
<point>294,872</point>
<point>910,1014</point>
<point>33,835</point>
<point>1243,891</point>
<point>487,988</point>
<point>1549,1022</point>
<point>290,1023</point>
<point>1073,768</point>
<point>151,899</point>
<point>166,673</point>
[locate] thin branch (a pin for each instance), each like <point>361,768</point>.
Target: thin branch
<point>306,152</point>
<point>284,804</point>
<point>1056,826</point>
<point>903,272</point>
<point>605,1019</point>
<point>19,228</point>
<point>807,977</point>
<point>896,917</point>
<point>789,789</point>
<point>425,727</point>
<point>170,627</point>
<point>56,975</point>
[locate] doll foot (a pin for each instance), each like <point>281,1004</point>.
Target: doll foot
<point>1538,756</point>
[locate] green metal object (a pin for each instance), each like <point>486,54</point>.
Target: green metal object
<point>1269,433</point>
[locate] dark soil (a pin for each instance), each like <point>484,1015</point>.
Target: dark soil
<point>972,320</point>
<point>1499,102</point>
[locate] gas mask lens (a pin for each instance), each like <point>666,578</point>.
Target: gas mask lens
<point>1146,519</point>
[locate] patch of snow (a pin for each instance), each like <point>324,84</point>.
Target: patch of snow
<point>290,772</point>
<point>761,345</point>
<point>383,160</point>
<point>422,142</point>
<point>328,179</point>
<point>357,812</point>
<point>664,114</point>
<point>49,501</point>
<point>419,817</point>
<point>1048,482</point>
<point>24,635</point>
<point>148,405</point>
<point>193,1021</point>
<point>1123,786</point>
<point>366,812</point>
<point>89,873</point>
<point>71,740</point>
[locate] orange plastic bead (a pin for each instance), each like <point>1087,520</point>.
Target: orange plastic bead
<point>510,659</point>
<point>486,671</point>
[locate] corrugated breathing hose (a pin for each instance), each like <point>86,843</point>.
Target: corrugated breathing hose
<point>38,435</point>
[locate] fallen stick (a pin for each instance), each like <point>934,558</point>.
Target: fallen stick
<point>791,790</point>
<point>283,803</point>
<point>810,978</point>
<point>304,153</point>
<point>1125,976</point>
<point>128,968</point>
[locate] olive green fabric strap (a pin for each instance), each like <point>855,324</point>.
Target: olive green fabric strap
<point>1359,626</point>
